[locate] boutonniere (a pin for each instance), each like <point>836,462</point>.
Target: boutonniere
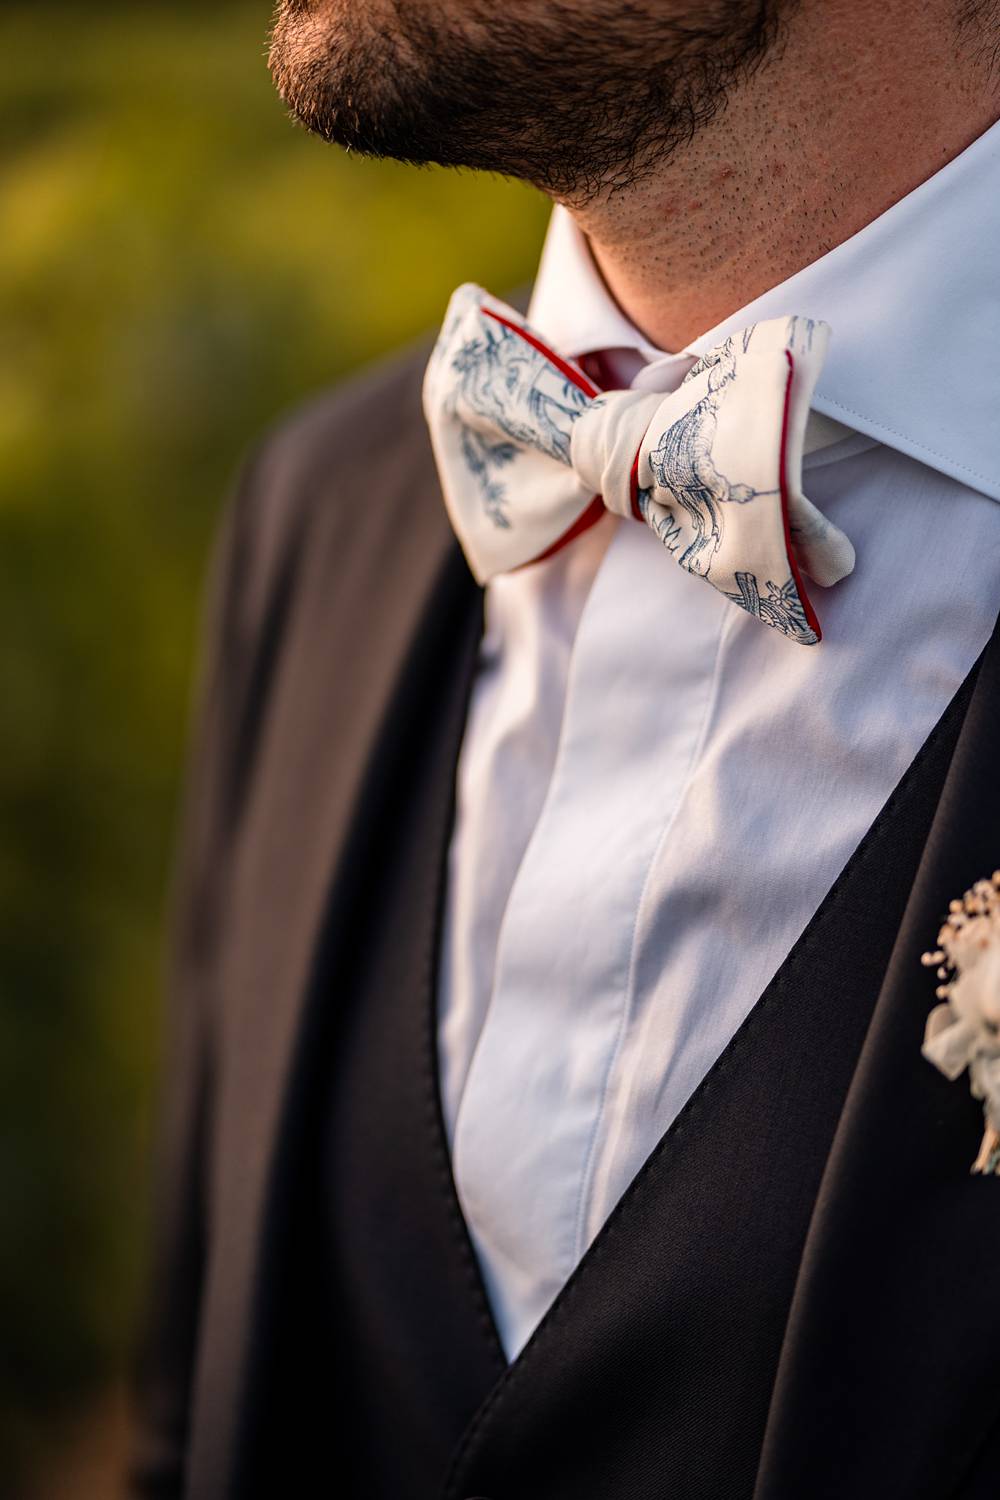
<point>964,1030</point>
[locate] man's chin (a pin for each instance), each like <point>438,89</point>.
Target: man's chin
<point>517,88</point>
<point>349,72</point>
<point>309,44</point>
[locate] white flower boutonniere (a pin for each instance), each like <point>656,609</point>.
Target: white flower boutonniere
<point>964,1031</point>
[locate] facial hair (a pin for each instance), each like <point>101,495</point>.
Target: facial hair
<point>578,97</point>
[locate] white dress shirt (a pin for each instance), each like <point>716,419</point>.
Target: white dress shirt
<point>655,792</point>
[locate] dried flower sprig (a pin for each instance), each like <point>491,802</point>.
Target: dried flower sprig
<point>964,1030</point>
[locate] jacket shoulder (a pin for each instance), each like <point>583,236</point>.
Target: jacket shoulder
<point>354,422</point>
<point>361,431</point>
<point>357,457</point>
<point>338,478</point>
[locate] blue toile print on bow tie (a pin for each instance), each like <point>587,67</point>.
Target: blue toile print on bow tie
<point>530,454</point>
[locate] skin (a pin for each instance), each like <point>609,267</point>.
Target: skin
<point>861,104</point>
<point>708,148</point>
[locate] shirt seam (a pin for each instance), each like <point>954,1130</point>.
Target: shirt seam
<point>922,447</point>
<point>557,763</point>
<point>585,1190</point>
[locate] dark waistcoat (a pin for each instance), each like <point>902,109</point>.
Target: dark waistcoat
<point>799,1293</point>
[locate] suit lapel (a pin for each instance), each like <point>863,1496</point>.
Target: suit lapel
<point>364,607</point>
<point>891,1364</point>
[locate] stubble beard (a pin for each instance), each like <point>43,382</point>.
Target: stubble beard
<point>580,100</point>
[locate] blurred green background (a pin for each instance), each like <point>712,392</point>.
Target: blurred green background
<point>178,265</point>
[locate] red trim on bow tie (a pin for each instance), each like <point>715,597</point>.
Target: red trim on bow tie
<point>595,510</point>
<point>583,522</point>
<point>810,613</point>
<point>570,371</point>
<point>633,486</point>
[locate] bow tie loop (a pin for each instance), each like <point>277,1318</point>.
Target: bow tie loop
<point>530,454</point>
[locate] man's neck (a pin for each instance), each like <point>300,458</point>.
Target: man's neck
<point>859,105</point>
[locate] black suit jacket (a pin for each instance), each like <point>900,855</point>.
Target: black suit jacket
<point>799,1293</point>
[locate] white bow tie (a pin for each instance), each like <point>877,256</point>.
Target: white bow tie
<point>530,454</point>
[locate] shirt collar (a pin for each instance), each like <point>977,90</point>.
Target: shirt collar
<point>913,300</point>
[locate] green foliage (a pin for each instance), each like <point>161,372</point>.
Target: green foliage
<point>178,264</point>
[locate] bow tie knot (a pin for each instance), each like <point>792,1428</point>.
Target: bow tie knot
<point>531,453</point>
